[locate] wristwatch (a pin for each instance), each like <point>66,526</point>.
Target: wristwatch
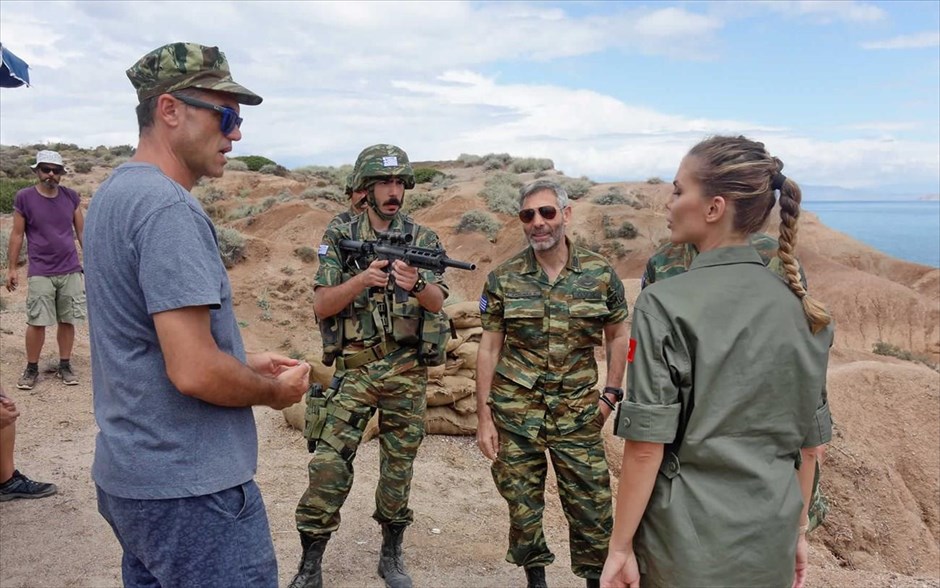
<point>419,285</point>
<point>617,393</point>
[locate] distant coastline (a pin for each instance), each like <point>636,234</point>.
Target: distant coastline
<point>906,229</point>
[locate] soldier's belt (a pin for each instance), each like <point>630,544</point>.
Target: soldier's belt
<point>374,353</point>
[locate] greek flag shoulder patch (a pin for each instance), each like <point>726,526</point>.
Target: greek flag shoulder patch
<point>323,249</point>
<point>483,303</point>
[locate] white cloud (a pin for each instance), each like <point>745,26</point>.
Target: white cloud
<point>826,11</point>
<point>339,76</point>
<point>912,41</point>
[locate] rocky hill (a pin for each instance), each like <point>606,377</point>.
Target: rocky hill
<point>882,473</point>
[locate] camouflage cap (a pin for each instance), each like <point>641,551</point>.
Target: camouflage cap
<point>382,161</point>
<point>186,65</point>
<point>349,181</point>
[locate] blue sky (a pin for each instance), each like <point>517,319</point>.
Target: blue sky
<point>845,93</point>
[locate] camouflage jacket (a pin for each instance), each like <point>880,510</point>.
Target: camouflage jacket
<point>361,319</point>
<point>673,259</point>
<point>550,331</point>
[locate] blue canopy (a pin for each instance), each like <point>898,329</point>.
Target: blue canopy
<point>13,71</point>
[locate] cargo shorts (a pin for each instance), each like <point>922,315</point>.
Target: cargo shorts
<point>55,299</point>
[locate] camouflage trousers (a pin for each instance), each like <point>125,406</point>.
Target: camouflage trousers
<point>818,505</point>
<point>399,396</point>
<point>583,487</point>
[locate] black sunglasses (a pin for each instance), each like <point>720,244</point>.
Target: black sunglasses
<point>51,170</point>
<point>230,119</point>
<point>527,215</point>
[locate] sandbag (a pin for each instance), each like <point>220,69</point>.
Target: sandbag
<point>443,396</point>
<point>464,314</point>
<point>467,353</point>
<point>441,420</point>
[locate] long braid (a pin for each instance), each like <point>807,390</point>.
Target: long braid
<point>790,198</point>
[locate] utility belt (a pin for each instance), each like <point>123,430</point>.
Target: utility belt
<point>366,356</point>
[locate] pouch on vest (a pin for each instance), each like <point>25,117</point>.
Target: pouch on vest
<point>406,322</point>
<point>436,331</point>
<point>313,421</point>
<point>331,334</point>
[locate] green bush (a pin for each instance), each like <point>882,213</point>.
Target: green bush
<point>531,164</point>
<point>654,180</point>
<point>274,169</point>
<point>255,162</point>
<point>479,221</point>
<point>83,166</point>
<point>208,194</point>
<point>418,200</point>
<point>332,175</point>
<point>469,160</point>
<point>496,161</point>
<point>231,246</point>
<point>577,187</point>
<point>236,165</point>
<point>626,230</point>
<point>501,193</point>
<point>4,249</point>
<point>885,348</point>
<point>613,196</point>
<point>306,254</point>
<point>330,193</point>
<point>123,150</point>
<point>423,175</point>
<point>8,189</point>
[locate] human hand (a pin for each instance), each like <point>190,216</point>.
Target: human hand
<point>375,275</point>
<point>487,436</point>
<point>294,382</point>
<point>8,411</point>
<point>270,364</point>
<point>802,560</point>
<point>620,570</point>
<point>13,279</point>
<point>405,276</point>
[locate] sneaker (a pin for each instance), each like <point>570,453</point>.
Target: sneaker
<point>67,376</point>
<point>19,486</point>
<point>28,379</point>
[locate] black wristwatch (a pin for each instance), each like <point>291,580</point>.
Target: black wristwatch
<point>617,393</point>
<point>419,285</point>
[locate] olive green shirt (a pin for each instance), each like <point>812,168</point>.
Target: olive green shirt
<point>550,331</point>
<point>725,372</point>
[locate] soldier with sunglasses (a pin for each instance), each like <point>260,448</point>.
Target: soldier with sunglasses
<point>543,312</point>
<point>177,449</point>
<point>50,217</point>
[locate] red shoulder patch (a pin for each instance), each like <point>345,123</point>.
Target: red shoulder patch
<point>632,351</point>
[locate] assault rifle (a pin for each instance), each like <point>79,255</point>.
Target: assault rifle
<point>392,245</point>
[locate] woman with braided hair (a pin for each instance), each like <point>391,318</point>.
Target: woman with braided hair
<point>725,391</point>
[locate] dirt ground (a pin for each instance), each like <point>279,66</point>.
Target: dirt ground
<point>882,474</point>
<point>458,539</point>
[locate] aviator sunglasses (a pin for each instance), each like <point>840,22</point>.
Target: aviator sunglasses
<point>51,170</point>
<point>230,119</point>
<point>527,215</point>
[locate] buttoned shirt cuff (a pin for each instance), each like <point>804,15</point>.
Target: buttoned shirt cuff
<point>647,423</point>
<point>821,431</point>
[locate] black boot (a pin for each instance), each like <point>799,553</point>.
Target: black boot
<point>391,566</point>
<point>593,582</point>
<point>309,573</point>
<point>535,577</point>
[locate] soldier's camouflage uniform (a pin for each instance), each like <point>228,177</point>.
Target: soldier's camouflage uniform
<point>674,259</point>
<point>544,396</point>
<point>393,384</point>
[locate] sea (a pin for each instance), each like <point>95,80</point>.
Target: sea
<point>908,230</point>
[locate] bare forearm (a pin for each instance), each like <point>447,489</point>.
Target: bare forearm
<point>617,356</point>
<point>13,250</point>
<point>218,378</point>
<point>431,298</point>
<point>331,300</point>
<point>640,466</point>
<point>805,474</point>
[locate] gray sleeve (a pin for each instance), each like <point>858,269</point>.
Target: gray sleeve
<point>180,265</point>
<point>821,431</point>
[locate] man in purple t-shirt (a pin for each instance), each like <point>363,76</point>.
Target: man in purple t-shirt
<point>50,217</point>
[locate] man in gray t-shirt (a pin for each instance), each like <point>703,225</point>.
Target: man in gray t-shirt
<point>173,387</point>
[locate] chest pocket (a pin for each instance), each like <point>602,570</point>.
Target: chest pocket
<point>359,323</point>
<point>525,322</point>
<point>586,322</point>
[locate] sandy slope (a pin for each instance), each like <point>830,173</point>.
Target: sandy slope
<point>882,475</point>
